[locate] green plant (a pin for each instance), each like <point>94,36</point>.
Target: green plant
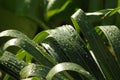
<point>82,52</point>
<point>63,44</point>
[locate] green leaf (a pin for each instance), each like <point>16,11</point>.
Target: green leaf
<point>40,37</point>
<point>30,46</point>
<point>98,16</point>
<point>13,33</point>
<point>56,6</point>
<point>112,34</point>
<point>106,61</point>
<point>33,49</point>
<point>65,44</point>
<point>12,65</point>
<point>33,70</point>
<point>112,12</point>
<point>17,34</point>
<point>69,66</point>
<point>21,54</point>
<point>33,78</point>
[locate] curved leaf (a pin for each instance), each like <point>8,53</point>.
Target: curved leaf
<point>16,34</point>
<point>33,70</point>
<point>113,11</point>
<point>113,35</point>
<point>40,71</point>
<point>98,16</point>
<point>40,37</point>
<point>69,66</point>
<point>20,35</point>
<point>33,78</point>
<point>105,59</point>
<point>65,44</point>
<point>33,49</point>
<point>12,65</point>
<point>13,33</point>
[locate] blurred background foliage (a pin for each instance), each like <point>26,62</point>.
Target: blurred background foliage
<point>32,16</point>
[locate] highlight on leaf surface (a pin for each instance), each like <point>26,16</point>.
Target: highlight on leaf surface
<point>69,66</point>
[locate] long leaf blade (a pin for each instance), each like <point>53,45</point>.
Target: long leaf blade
<point>105,59</point>
<point>112,34</point>
<point>12,65</point>
<point>69,66</point>
<point>35,70</point>
<point>65,44</point>
<point>13,33</point>
<point>33,49</point>
<point>56,6</point>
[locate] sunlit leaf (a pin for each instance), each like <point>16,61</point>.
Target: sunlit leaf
<point>40,37</point>
<point>69,66</point>
<point>33,70</point>
<point>114,11</point>
<point>13,33</point>
<point>33,78</point>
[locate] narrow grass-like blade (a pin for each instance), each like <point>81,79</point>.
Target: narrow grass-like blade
<point>40,37</point>
<point>69,66</point>
<point>118,15</point>
<point>109,66</point>
<point>56,6</point>
<point>113,11</point>
<point>98,16</point>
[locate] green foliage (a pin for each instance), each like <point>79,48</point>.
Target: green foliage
<point>85,48</point>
